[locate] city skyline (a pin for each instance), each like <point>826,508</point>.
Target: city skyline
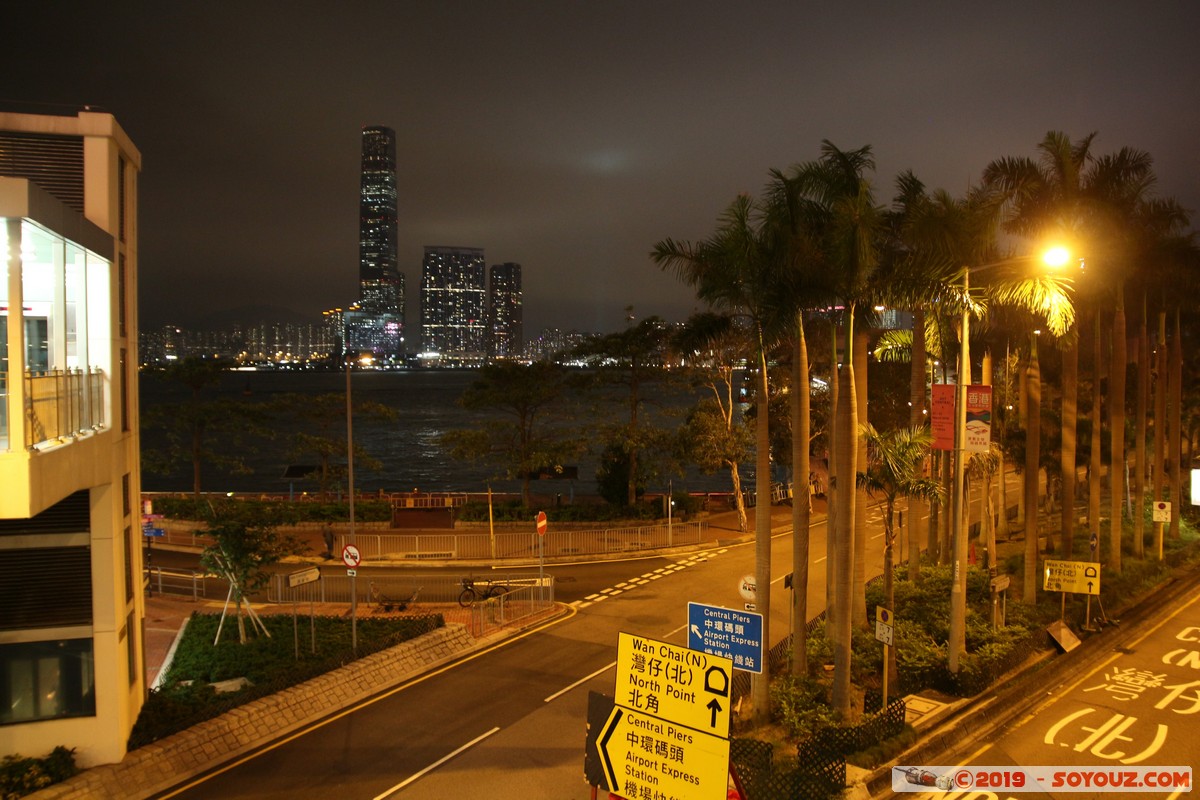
<point>568,139</point>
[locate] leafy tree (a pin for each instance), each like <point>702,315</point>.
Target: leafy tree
<point>629,363</point>
<point>714,439</point>
<point>317,432</point>
<point>246,540</point>
<point>528,431</point>
<point>200,429</point>
<point>734,270</point>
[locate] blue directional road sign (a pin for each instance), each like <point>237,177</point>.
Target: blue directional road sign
<point>737,635</point>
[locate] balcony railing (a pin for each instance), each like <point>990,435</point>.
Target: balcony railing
<point>62,403</point>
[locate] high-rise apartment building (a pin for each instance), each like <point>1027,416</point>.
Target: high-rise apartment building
<point>506,338</point>
<point>377,325</point>
<point>454,303</point>
<point>72,666</point>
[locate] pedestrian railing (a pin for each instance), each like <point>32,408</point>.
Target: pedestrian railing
<point>525,596</point>
<point>176,581</point>
<point>525,545</point>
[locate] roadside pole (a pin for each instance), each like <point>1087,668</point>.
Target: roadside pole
<point>541,524</point>
<point>350,486</point>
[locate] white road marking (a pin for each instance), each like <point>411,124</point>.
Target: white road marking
<point>561,692</point>
<point>418,775</point>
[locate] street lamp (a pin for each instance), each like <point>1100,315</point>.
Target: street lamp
<point>1052,257</point>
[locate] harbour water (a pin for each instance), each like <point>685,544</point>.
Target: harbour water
<point>408,447</point>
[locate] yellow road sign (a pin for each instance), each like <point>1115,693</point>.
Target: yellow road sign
<point>642,756</point>
<point>1076,577</point>
<point>673,683</point>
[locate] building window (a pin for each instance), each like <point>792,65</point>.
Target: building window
<point>46,680</point>
<point>130,648</point>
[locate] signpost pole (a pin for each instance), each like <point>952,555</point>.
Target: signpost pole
<point>886,653</point>
<point>350,486</point>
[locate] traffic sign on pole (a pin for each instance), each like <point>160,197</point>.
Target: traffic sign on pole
<point>640,751</point>
<point>350,556</point>
<point>674,683</point>
<point>1076,577</point>
<point>541,523</point>
<point>736,635</point>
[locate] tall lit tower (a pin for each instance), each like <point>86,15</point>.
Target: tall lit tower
<point>382,285</point>
<point>377,325</point>
<point>505,329</point>
<point>454,302</point>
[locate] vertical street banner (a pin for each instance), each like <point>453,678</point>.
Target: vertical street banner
<point>941,415</point>
<point>979,419</point>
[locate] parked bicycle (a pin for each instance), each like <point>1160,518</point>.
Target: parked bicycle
<point>385,603</point>
<point>472,592</point>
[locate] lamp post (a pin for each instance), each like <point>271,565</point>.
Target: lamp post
<point>1054,257</point>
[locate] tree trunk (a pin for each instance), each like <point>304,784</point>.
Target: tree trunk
<point>1139,447</point>
<point>861,342</point>
<point>847,458</point>
<point>1176,449</point>
<point>917,406</point>
<point>1116,425</point>
<point>1033,437</point>
<point>889,586</point>
<point>801,499</point>
<point>1070,387</point>
<point>1094,460</point>
<point>1160,408</point>
<point>762,530</point>
<point>831,490</point>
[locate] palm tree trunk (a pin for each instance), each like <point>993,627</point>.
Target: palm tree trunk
<point>831,491</point>
<point>847,458</point>
<point>1116,424</point>
<point>1094,461</point>
<point>1070,388</point>
<point>917,405</point>
<point>801,502</point>
<point>762,528</point>
<point>1139,449</point>
<point>1033,436</point>
<point>861,343</point>
<point>1176,496</point>
<point>1160,408</point>
<point>945,515</point>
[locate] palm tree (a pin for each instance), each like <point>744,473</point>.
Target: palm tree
<point>794,221</point>
<point>894,469</point>
<point>848,226</point>
<point>733,269</point>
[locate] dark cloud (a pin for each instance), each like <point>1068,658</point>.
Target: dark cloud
<point>567,136</point>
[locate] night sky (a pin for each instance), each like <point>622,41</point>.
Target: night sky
<point>567,136</point>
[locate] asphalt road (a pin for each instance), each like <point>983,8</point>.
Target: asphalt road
<point>1136,708</point>
<point>510,722</point>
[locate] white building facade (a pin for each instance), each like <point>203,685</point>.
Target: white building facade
<point>72,666</point>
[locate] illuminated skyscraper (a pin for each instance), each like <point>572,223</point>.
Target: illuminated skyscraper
<point>454,303</point>
<point>505,329</point>
<point>378,324</point>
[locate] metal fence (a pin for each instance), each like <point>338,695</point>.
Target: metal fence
<point>523,596</point>
<point>524,545</point>
<point>176,581</point>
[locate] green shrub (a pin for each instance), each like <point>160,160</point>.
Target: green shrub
<point>799,705</point>
<point>20,776</point>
